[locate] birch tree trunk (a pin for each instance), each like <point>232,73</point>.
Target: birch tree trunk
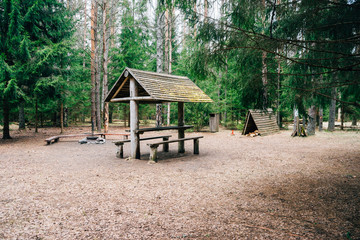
<point>170,23</point>
<point>332,111</point>
<point>159,55</point>
<point>166,65</point>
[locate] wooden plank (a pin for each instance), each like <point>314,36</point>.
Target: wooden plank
<point>141,139</point>
<point>141,130</point>
<point>175,140</point>
<point>132,98</point>
<point>122,84</point>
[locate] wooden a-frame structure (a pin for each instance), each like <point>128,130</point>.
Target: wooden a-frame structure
<point>139,87</point>
<point>261,120</point>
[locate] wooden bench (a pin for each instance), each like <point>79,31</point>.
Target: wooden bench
<point>55,139</point>
<point>154,146</point>
<point>120,144</point>
<point>52,139</point>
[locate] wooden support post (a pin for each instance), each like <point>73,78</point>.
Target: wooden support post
<point>165,145</point>
<point>196,146</point>
<point>134,121</point>
<point>181,132</point>
<point>106,117</point>
<point>120,151</point>
<point>153,152</point>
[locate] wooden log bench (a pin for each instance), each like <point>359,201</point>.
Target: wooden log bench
<point>154,146</point>
<point>120,144</point>
<point>52,139</point>
<point>55,139</point>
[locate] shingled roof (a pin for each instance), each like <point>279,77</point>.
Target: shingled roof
<point>157,87</point>
<point>263,121</point>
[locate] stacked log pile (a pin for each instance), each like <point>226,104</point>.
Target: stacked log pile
<point>253,134</point>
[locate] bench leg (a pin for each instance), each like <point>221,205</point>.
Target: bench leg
<point>56,139</point>
<point>165,145</point>
<point>196,146</point>
<point>120,151</point>
<point>153,153</point>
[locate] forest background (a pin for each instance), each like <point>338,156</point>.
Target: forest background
<point>58,58</point>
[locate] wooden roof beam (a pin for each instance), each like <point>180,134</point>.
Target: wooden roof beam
<point>132,98</point>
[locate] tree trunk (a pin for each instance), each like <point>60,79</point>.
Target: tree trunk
<point>170,22</point>
<point>195,11</point>
<point>110,115</point>
<point>66,117</point>
<point>278,116</point>
<point>205,11</point>
<point>84,34</point>
<point>296,118</point>
<point>332,111</point>
<point>158,115</point>
<point>125,115</point>
<point>321,116</point>
<point>61,117</point>
<point>97,91</point>
<point>159,40</point>
<point>6,113</point>
<point>105,66</point>
<point>342,117</point>
<point>93,62</point>
<point>166,65</point>
<point>21,116</point>
<point>159,56</point>
<point>36,115</point>
<point>264,65</point>
<point>354,120</point>
<point>312,121</point>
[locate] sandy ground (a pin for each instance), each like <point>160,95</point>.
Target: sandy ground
<point>273,187</point>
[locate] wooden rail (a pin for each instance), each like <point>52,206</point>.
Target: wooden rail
<point>142,130</point>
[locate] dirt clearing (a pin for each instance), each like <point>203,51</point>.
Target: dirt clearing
<point>273,187</point>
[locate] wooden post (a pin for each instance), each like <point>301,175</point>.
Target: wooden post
<point>181,132</point>
<point>196,146</point>
<point>165,145</point>
<point>153,152</point>
<point>134,121</point>
<point>120,151</point>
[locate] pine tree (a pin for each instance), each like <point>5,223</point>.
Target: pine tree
<point>26,30</point>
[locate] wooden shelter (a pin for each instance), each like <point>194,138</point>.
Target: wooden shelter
<point>261,120</point>
<point>138,87</point>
